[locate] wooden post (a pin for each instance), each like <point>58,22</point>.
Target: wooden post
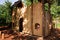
<point>2,35</point>
<point>0,32</point>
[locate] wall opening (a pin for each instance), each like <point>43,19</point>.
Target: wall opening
<point>21,25</point>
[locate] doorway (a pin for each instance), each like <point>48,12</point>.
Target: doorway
<point>21,25</point>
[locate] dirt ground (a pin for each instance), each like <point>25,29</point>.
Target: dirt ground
<point>54,35</point>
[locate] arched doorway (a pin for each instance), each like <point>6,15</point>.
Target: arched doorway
<point>21,25</point>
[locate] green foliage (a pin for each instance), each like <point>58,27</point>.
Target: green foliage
<point>46,7</point>
<point>28,2</point>
<point>35,1</point>
<point>5,12</point>
<point>58,8</point>
<point>54,9</point>
<point>8,11</point>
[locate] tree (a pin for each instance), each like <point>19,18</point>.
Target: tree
<point>8,11</point>
<point>5,12</point>
<point>55,9</point>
